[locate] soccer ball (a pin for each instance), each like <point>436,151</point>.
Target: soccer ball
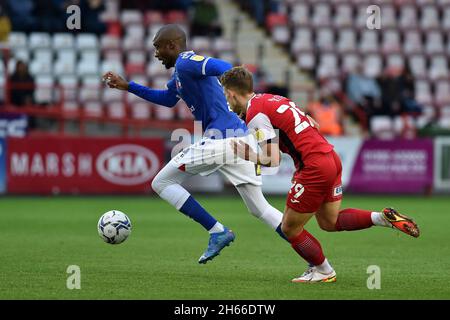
<point>114,227</point>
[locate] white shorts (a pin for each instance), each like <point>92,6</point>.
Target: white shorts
<point>210,155</point>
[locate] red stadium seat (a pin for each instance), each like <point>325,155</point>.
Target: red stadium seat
<point>153,17</point>
<point>275,19</point>
<point>176,16</point>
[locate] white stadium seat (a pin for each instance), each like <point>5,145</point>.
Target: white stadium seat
<point>343,16</point>
<point>430,17</point>
<point>391,41</point>
<point>141,110</point>
<point>346,40</point>
<point>44,89</point>
<point>325,39</point>
<point>434,42</point>
<point>87,41</point>
<point>116,110</point>
<point>369,41</point>
<point>408,17</point>
<point>300,14</point>
<point>321,15</point>
<point>438,67</point>
<point>63,41</point>
<point>17,40</point>
<point>39,40</point>
<point>131,17</point>
<point>412,42</point>
<point>423,91</point>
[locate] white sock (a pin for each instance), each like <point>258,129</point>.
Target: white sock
<point>218,227</point>
<point>379,220</point>
<point>325,267</point>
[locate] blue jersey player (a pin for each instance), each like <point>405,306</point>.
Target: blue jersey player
<point>195,81</point>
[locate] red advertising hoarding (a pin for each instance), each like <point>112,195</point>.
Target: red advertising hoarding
<point>54,165</point>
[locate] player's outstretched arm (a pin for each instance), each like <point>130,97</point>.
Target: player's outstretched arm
<point>269,156</point>
<point>166,98</point>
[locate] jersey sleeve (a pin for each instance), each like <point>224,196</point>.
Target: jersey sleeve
<point>262,127</point>
<point>204,66</point>
<point>166,98</point>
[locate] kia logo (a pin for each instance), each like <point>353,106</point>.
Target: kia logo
<point>127,164</point>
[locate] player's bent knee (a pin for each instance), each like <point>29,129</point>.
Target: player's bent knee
<point>158,185</point>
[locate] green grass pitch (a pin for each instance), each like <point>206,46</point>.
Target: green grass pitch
<point>41,237</point>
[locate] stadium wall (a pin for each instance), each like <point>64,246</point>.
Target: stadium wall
<point>69,165</point>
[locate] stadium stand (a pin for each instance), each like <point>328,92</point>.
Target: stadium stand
<point>67,68</point>
<point>330,39</point>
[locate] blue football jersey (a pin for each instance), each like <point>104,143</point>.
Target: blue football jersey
<point>196,82</point>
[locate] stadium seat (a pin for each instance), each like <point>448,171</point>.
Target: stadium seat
<point>408,17</point>
<point>360,18</point>
<point>281,34</point>
<point>93,109</point>
<point>325,39</point>
<point>199,43</point>
<point>429,17</point>
<point>350,62</point>
<point>382,127</point>
<point>346,41</point>
<point>388,16</point>
<point>39,40</point>
<point>21,54</point>
<point>434,42</point>
<point>131,43</point>
<point>391,41</point>
<point>42,62</point>
<point>116,110</point>
<point>446,19</point>
<point>141,110</point>
<point>418,66</point>
<point>113,66</point>
<point>412,42</point>
<point>369,41</point>
<point>300,14</point>
<point>112,95</point>
<point>86,41</point>
<point>321,15</point>
<point>70,108</point>
<point>343,17</point>
<point>302,41</point>
<point>135,31</point>
<point>395,61</point>
<point>65,62</point>
<point>438,67</point>
<point>306,61</point>
<point>17,40</point>
<point>113,55</point>
<point>43,93</point>
<point>328,66</point>
<point>442,89</point>
<point>109,42</point>
<point>63,41</point>
<point>156,69</point>
<point>163,113</point>
<point>131,17</point>
<point>153,17</point>
<point>222,44</point>
<point>68,88</point>
<point>275,19</point>
<point>423,92</point>
<point>372,65</point>
<point>176,16</point>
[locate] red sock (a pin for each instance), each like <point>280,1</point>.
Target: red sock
<point>308,247</point>
<point>353,219</point>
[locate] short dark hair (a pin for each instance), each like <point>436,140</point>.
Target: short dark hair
<point>238,79</point>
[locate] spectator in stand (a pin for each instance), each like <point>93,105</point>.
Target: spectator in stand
<point>407,92</point>
<point>365,95</point>
<point>21,85</point>
<point>21,15</point>
<point>5,26</point>
<point>205,19</point>
<point>91,22</point>
<point>327,113</point>
<point>391,92</point>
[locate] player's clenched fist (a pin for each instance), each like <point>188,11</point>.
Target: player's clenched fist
<point>115,81</point>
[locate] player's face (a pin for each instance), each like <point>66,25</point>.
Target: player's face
<point>233,101</point>
<point>164,53</point>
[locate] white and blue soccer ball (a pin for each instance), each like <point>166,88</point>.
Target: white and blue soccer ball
<point>114,227</point>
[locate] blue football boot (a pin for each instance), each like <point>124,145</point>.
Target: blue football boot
<point>217,241</point>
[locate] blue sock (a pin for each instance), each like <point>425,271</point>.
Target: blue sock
<point>278,230</point>
<point>195,211</point>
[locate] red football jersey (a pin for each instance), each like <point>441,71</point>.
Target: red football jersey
<point>298,137</point>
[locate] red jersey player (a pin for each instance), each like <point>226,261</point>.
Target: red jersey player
<point>316,185</point>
